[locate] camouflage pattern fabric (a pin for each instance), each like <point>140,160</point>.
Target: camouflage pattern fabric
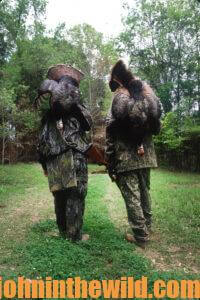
<point>123,157</point>
<point>57,150</point>
<point>134,186</point>
<point>70,202</point>
<point>127,157</point>
<point>61,172</point>
<point>53,143</point>
<point>132,171</point>
<point>62,155</point>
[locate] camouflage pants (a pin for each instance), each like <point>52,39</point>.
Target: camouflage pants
<point>135,186</point>
<point>70,202</point>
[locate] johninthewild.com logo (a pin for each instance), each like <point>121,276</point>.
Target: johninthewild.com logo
<point>76,288</point>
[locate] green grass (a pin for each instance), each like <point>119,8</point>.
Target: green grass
<point>16,179</point>
<point>177,205</point>
<point>29,248</point>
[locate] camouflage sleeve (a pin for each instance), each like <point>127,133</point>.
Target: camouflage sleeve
<point>110,146</point>
<point>110,153</point>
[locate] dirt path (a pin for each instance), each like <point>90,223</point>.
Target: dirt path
<point>19,214</point>
<point>25,210</point>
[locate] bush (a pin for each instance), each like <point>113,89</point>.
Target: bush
<point>178,144</point>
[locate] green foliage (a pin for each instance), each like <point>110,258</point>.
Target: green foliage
<point>7,105</point>
<point>169,137</point>
<point>162,40</point>
<point>7,114</point>
<point>193,133</point>
<point>107,101</point>
<point>100,56</point>
<point>13,28</point>
<point>164,93</point>
<point>178,135</point>
<point>27,51</point>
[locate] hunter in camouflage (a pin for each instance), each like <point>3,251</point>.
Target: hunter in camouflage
<point>62,149</point>
<point>131,122</point>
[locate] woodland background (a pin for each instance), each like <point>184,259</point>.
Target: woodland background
<point>161,39</point>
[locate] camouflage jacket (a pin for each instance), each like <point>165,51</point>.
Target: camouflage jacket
<point>122,140</point>
<point>57,147</point>
<point>66,170</point>
<point>54,141</point>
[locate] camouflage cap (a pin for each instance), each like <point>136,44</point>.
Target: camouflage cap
<point>57,71</point>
